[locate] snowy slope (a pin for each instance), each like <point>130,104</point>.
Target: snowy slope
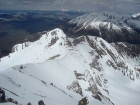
<point>61,71</point>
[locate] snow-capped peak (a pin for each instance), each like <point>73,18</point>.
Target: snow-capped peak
<point>136,15</point>
<point>36,52</point>
<point>113,27</point>
<point>119,20</point>
<point>102,17</point>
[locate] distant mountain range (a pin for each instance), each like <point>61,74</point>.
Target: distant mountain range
<point>112,27</point>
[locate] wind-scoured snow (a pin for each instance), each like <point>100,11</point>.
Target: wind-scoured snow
<point>61,71</point>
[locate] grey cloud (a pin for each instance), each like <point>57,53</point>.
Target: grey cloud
<point>127,6</point>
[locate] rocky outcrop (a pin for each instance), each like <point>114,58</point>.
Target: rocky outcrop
<point>41,102</point>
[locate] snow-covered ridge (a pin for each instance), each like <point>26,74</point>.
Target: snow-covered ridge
<point>95,19</point>
<point>112,27</point>
<point>62,71</point>
<point>36,52</point>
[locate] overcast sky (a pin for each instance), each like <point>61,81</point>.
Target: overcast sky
<point>125,6</point>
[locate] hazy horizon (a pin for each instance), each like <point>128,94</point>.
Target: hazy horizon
<point>125,6</point>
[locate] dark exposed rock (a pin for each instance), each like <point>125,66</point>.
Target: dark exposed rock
<point>21,67</point>
<point>131,50</point>
<point>53,41</point>
<point>15,102</point>
<point>9,100</point>
<point>51,58</point>
<point>51,84</point>
<point>29,103</point>
<point>41,102</point>
<point>75,87</point>
<point>12,101</point>
<point>83,101</point>
<point>79,40</point>
<point>97,96</point>
<point>79,76</point>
